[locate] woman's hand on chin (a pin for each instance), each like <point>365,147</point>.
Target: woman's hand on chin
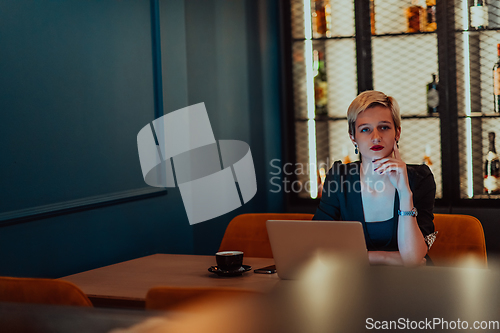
<point>395,169</point>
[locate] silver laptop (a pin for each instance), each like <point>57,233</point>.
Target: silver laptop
<point>295,243</point>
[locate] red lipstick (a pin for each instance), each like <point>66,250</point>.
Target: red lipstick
<point>377,148</point>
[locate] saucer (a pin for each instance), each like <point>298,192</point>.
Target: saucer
<point>221,272</point>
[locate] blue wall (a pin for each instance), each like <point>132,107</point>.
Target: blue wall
<point>78,82</point>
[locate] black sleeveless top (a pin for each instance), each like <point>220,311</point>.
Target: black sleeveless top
<point>381,235</point>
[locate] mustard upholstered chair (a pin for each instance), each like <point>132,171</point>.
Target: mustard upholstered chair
<point>182,298</point>
<point>459,237</point>
<point>248,233</point>
<point>41,291</point>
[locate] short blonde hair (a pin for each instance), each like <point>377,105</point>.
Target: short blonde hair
<point>369,99</point>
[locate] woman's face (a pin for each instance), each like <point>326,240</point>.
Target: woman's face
<point>375,132</point>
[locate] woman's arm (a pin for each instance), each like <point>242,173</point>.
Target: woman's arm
<point>388,258</point>
<point>385,258</point>
<point>411,243</point>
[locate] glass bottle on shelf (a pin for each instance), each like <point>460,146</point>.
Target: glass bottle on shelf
<point>321,18</point>
<point>415,17</point>
<point>427,156</point>
<point>345,153</point>
<point>492,168</point>
<point>430,21</point>
<point>372,16</point>
<point>328,18</point>
<point>320,85</point>
<point>496,82</point>
<point>432,97</point>
<point>479,14</point>
<point>321,178</point>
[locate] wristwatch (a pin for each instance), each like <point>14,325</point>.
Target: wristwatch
<point>413,212</point>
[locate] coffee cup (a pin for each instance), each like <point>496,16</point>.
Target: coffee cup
<point>229,260</point>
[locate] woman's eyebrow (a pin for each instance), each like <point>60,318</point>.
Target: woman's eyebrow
<point>381,122</point>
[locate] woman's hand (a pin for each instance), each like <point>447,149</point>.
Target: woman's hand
<point>395,169</point>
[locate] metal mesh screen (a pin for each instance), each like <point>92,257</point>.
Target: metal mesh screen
<point>404,55</point>
<point>462,155</point>
<point>297,19</point>
<point>420,143</point>
<point>390,16</point>
<point>342,75</point>
<point>403,66</point>
<point>476,38</point>
<point>299,80</point>
<point>302,159</point>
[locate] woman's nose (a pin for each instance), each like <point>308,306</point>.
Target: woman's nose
<point>376,136</point>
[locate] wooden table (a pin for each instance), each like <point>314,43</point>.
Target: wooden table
<point>124,285</point>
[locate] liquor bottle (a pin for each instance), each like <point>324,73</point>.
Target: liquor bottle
<point>321,18</point>
<point>492,168</point>
<point>345,153</point>
<point>496,82</point>
<point>321,178</point>
<point>372,16</point>
<point>320,85</point>
<point>427,156</point>
<point>432,97</point>
<point>317,19</point>
<point>431,24</point>
<point>415,17</point>
<point>328,18</point>
<point>479,14</point>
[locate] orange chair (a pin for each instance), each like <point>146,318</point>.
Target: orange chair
<point>459,237</point>
<point>41,291</point>
<point>248,233</point>
<point>188,298</point>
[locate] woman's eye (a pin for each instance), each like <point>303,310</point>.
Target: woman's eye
<point>364,130</point>
<point>385,127</point>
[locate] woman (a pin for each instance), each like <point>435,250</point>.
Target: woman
<point>394,201</point>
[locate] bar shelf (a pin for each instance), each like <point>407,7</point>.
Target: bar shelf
<point>401,64</point>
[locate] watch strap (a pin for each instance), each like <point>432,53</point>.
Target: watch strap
<point>412,212</point>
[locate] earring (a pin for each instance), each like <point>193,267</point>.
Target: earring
<point>356,148</point>
<point>397,144</point>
